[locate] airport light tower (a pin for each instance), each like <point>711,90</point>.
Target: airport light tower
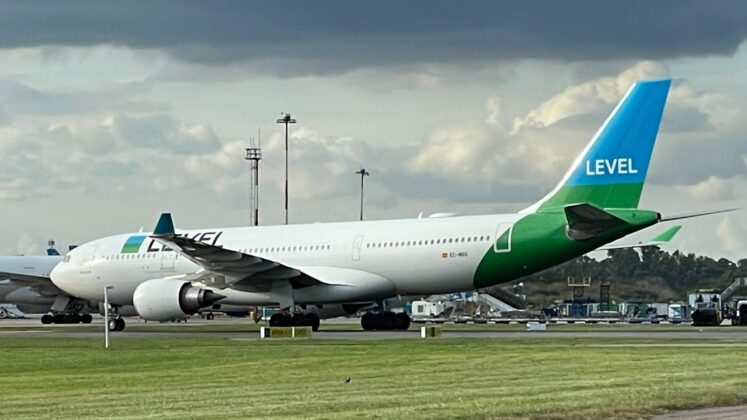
<point>286,119</point>
<point>254,155</point>
<point>363,173</point>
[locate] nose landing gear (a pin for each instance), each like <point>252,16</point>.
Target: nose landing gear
<point>116,324</point>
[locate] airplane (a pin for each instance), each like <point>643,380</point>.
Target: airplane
<point>327,311</point>
<point>25,282</point>
<point>171,273</point>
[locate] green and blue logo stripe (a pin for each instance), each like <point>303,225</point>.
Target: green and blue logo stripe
<point>132,245</point>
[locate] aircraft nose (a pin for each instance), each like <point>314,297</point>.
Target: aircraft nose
<point>61,276</point>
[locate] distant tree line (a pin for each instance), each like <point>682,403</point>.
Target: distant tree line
<point>646,275</point>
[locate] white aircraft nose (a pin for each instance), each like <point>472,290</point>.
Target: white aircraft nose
<point>65,275</point>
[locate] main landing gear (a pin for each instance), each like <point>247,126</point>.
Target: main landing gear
<point>295,320</point>
<point>66,319</point>
<point>385,321</point>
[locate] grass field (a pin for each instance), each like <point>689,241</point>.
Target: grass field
<point>442,378</point>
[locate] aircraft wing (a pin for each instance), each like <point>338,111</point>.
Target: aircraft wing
<point>660,239</point>
<point>228,268</point>
<point>42,283</point>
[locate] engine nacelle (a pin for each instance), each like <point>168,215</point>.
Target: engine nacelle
<point>167,299</point>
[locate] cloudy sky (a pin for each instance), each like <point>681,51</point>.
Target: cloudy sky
<point>112,112</point>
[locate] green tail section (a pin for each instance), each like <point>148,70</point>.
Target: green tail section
<point>595,203</point>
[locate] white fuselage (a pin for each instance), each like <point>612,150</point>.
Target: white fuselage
<point>415,256</point>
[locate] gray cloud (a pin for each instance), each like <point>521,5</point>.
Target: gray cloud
<point>4,117</point>
<point>21,99</point>
<point>116,168</point>
<point>300,37</point>
<point>428,186</point>
<point>162,131</point>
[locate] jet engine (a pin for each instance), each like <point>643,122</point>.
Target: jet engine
<point>167,299</point>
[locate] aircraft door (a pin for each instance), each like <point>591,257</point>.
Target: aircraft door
<point>503,237</point>
<point>357,247</point>
<point>168,259</point>
<point>86,261</point>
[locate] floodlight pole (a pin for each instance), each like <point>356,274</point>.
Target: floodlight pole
<point>106,316</point>
<point>363,173</point>
<point>286,119</point>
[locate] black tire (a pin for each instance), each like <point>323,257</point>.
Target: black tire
<point>47,319</point>
<point>59,319</point>
<point>368,321</point>
<point>388,321</point>
<point>280,320</point>
<point>402,321</point>
<point>120,324</point>
<point>298,320</point>
<point>86,318</point>
<point>312,320</point>
<point>112,324</point>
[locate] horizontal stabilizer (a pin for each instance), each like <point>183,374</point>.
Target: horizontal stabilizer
<point>689,215</point>
<point>586,221</point>
<point>660,239</point>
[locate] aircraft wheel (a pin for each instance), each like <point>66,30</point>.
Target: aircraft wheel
<point>276,320</point>
<point>58,319</point>
<point>113,324</point>
<point>119,323</point>
<point>368,321</point>
<point>298,320</point>
<point>312,320</point>
<point>389,321</point>
<point>47,319</point>
<point>402,321</point>
<point>86,318</point>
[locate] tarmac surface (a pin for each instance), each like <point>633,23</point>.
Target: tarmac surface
<point>736,412</point>
<point>349,329</point>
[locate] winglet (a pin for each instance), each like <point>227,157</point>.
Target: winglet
<point>165,225</point>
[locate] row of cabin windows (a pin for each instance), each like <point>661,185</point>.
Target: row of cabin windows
<point>428,242</point>
<point>298,248</point>
<point>306,248</point>
<point>137,256</point>
<point>245,250</point>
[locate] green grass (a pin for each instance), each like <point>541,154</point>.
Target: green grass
<point>212,377</point>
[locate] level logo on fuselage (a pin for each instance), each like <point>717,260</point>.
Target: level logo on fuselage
<point>133,243</point>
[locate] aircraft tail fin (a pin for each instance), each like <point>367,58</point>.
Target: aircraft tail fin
<point>611,170</point>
